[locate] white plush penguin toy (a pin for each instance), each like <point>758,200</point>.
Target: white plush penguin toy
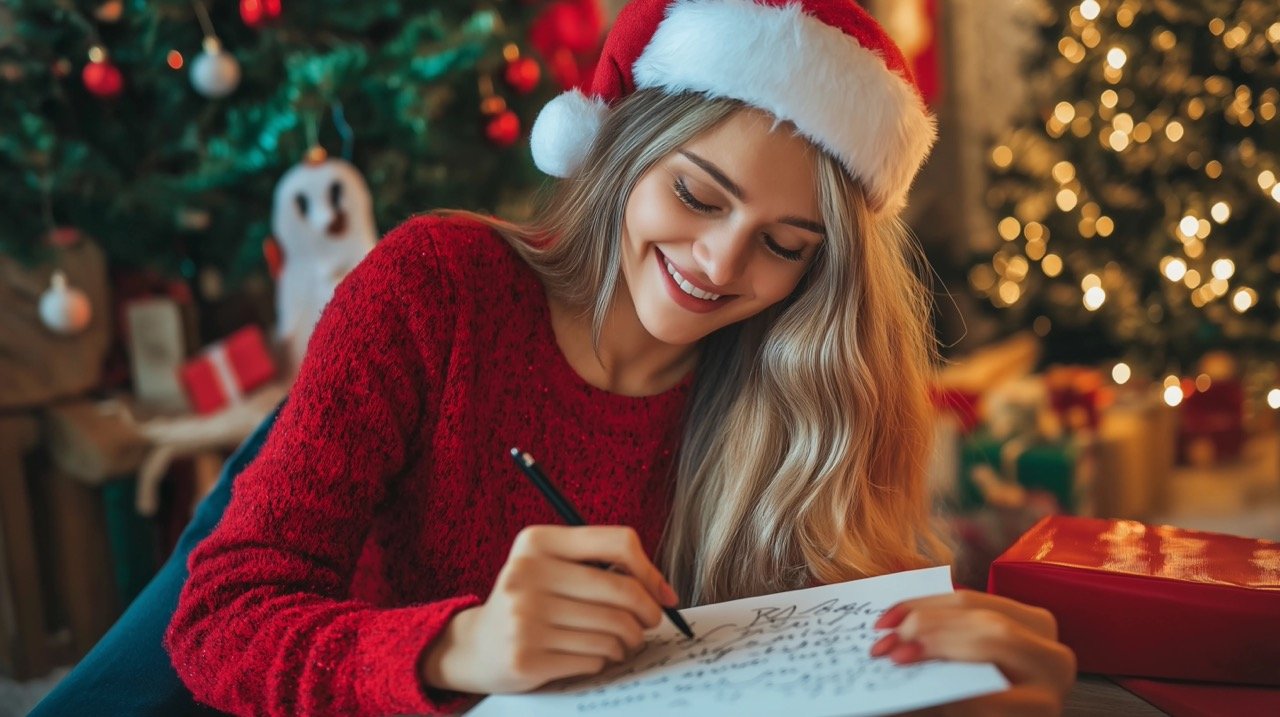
<point>322,217</point>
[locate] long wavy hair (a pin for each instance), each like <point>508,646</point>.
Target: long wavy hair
<point>805,439</point>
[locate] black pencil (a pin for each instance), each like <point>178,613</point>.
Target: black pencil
<point>526,464</point>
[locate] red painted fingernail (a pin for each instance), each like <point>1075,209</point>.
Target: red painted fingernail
<point>906,652</point>
<point>884,644</point>
<point>892,617</point>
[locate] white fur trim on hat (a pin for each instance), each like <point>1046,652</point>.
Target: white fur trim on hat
<point>839,94</point>
<point>564,131</point>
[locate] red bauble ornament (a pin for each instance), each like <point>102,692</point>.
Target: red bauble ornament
<point>523,74</point>
<point>103,79</point>
<point>504,129</point>
<point>259,13</point>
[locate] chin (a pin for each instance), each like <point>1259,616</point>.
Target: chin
<point>673,330</point>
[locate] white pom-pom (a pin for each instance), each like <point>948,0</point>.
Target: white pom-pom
<point>564,131</point>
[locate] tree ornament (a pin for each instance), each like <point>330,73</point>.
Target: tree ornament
<point>101,77</point>
<point>504,129</point>
<point>215,73</point>
<point>523,74</point>
<point>322,222</point>
<point>257,14</point>
<point>64,309</point>
<point>109,11</point>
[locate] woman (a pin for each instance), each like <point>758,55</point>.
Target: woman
<point>712,335</point>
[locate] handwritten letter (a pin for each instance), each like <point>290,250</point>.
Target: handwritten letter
<point>804,653</point>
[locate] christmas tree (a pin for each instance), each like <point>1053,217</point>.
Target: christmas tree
<point>160,127</point>
<point>1139,206</point>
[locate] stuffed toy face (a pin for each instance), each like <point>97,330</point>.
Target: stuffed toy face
<point>323,209</point>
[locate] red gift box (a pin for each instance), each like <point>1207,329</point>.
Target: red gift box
<point>1152,601</point>
<point>222,373</point>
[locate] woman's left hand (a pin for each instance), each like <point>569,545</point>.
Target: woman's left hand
<point>969,626</point>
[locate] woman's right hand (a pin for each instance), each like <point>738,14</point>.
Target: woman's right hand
<point>550,615</point>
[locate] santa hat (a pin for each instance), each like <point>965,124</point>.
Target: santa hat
<point>824,65</point>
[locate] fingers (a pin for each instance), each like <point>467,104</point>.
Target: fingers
<point>592,585</point>
<point>1036,619</point>
<point>980,635</point>
<point>616,545</point>
<point>573,615</point>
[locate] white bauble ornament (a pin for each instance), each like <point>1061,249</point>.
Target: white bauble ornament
<point>322,218</point>
<point>215,73</point>
<point>64,309</point>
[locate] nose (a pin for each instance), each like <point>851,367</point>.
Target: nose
<point>722,255</point>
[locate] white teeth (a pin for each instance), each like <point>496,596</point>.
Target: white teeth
<point>688,288</point>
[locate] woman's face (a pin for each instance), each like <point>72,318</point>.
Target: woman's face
<point>735,214</point>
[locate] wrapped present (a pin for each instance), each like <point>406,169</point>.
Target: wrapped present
<point>1152,601</point>
<point>1212,422</point>
<point>1075,392</point>
<point>223,373</point>
<point>991,467</point>
<point>1137,444</point>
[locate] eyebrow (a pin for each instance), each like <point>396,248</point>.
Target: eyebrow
<point>736,191</point>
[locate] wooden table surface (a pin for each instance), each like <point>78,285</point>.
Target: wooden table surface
<point>1097,695</point>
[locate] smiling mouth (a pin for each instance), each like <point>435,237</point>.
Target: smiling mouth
<point>685,285</point>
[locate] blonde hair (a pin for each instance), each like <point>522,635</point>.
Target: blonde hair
<point>804,446</point>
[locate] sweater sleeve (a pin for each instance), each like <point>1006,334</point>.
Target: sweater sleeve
<point>265,624</point>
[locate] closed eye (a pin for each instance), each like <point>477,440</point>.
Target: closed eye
<point>690,201</point>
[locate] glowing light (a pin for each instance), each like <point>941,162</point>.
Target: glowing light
<point>1173,395</point>
<point>174,58</point>
<point>1188,226</point>
<point>1118,141</point>
<point>1174,269</point>
<point>1244,299</point>
<point>1089,9</point>
<point>1064,172</point>
<point>1123,122</point>
<point>1035,250</point>
<point>982,278</point>
<point>1192,279</point>
<point>1266,179</point>
<point>1017,268</point>
<point>1171,380</point>
<point>1065,112</point>
<point>1220,212</point>
<point>1105,226</point>
<point>1141,132</point>
<point>1275,192</point>
<point>1121,373</point>
<point>1213,169</point>
<point>1109,98</point>
<point>1051,265</point>
<point>1273,398</point>
<point>1223,269</point>
<point>1090,281</point>
<point>1094,298</point>
<point>1116,57</point>
<point>1173,131</point>
<point>1009,228</point>
<point>1203,382</point>
<point>1066,200</point>
<point>1193,249</point>
<point>1009,292</point>
<point>1033,231</point>
<point>1002,156</point>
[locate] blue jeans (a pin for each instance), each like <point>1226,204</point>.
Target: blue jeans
<point>128,672</point>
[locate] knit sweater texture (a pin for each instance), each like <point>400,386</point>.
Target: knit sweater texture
<point>384,500</point>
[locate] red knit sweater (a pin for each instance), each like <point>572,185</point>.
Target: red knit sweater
<point>384,500</point>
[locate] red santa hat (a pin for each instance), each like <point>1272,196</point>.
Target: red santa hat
<point>824,65</point>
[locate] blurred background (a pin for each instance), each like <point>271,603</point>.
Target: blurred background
<point>187,181</point>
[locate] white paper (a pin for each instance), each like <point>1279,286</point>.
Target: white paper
<point>804,653</point>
